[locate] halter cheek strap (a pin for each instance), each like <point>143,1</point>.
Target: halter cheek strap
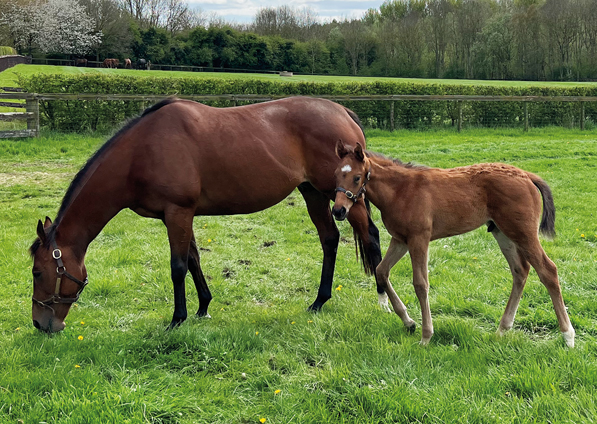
<point>355,196</point>
<point>60,272</point>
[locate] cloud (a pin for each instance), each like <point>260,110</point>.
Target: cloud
<point>243,11</point>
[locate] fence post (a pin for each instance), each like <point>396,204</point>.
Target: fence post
<point>582,115</point>
<point>392,116</point>
<point>526,116</point>
<point>459,115</point>
<point>32,106</point>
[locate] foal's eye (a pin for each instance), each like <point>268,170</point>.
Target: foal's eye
<point>357,179</point>
<point>36,274</point>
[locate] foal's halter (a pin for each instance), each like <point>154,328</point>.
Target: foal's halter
<point>355,196</point>
<point>60,271</point>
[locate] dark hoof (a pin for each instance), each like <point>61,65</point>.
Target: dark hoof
<point>411,329</point>
<point>315,307</point>
<point>175,323</point>
<point>202,314</point>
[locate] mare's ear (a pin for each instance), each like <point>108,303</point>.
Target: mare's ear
<point>41,232</point>
<point>341,150</point>
<point>358,152</point>
<point>48,222</point>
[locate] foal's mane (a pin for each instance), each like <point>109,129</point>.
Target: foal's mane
<point>392,161</point>
<point>79,179</point>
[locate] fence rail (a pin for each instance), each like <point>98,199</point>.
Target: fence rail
<point>33,118</point>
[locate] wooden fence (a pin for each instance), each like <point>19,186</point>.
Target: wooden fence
<point>32,100</point>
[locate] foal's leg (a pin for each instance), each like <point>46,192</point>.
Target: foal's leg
<point>199,280</point>
<point>318,206</point>
<point>548,274</point>
<point>179,223</point>
<point>519,267</point>
<point>419,251</point>
<point>395,252</point>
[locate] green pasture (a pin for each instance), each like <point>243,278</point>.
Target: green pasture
<point>8,77</point>
<point>262,355</point>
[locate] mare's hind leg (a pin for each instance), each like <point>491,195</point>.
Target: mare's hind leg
<point>199,280</point>
<point>318,206</point>
<point>395,252</point>
<point>519,267</point>
<point>367,235</point>
<point>179,223</point>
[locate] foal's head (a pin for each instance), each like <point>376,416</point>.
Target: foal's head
<point>352,176</point>
<point>54,288</point>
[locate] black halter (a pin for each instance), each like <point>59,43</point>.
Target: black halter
<point>60,271</point>
<point>355,196</point>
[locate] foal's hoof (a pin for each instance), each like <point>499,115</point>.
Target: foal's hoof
<point>175,323</point>
<point>411,328</point>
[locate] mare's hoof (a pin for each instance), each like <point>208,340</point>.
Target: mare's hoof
<point>175,323</point>
<point>315,307</point>
<point>202,315</point>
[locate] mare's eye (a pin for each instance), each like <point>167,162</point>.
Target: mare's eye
<point>357,179</point>
<point>36,274</point>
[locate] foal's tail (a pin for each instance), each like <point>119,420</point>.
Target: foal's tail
<point>547,226</point>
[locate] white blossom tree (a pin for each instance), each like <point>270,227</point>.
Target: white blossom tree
<point>66,28</point>
<point>54,26</point>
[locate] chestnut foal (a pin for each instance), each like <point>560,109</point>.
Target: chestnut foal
<point>420,204</point>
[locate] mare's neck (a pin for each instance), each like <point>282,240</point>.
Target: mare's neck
<point>100,196</point>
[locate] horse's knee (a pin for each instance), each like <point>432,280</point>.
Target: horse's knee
<point>179,268</point>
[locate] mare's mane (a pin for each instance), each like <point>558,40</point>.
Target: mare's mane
<point>393,161</point>
<point>80,177</point>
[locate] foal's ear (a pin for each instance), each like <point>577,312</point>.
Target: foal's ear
<point>48,222</point>
<point>341,150</point>
<point>41,232</point>
<point>358,152</point>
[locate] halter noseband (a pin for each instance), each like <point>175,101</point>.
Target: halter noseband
<point>60,271</point>
<point>355,196</point>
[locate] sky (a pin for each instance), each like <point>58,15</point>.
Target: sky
<point>243,11</point>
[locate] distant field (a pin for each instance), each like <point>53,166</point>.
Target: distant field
<point>7,78</point>
<point>262,355</point>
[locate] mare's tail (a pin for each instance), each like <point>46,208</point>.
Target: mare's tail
<point>547,226</point>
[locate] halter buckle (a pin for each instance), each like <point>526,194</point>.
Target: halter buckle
<point>56,254</point>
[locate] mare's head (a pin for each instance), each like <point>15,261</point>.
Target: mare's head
<point>352,175</point>
<point>58,279</point>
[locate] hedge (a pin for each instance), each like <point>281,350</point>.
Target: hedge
<point>85,115</point>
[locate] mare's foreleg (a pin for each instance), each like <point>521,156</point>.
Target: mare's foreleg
<point>395,252</point>
<point>519,267</point>
<point>179,223</point>
<point>199,280</point>
<point>318,206</point>
<point>419,251</point>
<point>367,239</point>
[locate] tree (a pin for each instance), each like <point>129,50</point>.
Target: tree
<point>113,23</point>
<point>22,23</point>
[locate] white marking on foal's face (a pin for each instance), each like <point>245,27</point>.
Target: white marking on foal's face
<point>346,168</point>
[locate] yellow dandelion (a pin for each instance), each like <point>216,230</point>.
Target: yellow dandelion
<point>17,329</point>
<point>277,391</point>
<point>262,420</point>
<point>582,235</point>
<point>339,287</point>
<point>82,322</point>
<point>209,240</point>
<point>310,321</point>
<point>293,322</point>
<point>474,257</point>
<point>222,309</point>
<point>256,332</point>
<point>77,366</point>
<point>507,393</point>
<point>80,337</point>
<point>287,259</point>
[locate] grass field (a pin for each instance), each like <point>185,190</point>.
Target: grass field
<point>262,356</point>
<point>8,78</point>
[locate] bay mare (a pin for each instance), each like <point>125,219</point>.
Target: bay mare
<point>420,204</point>
<point>181,159</point>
